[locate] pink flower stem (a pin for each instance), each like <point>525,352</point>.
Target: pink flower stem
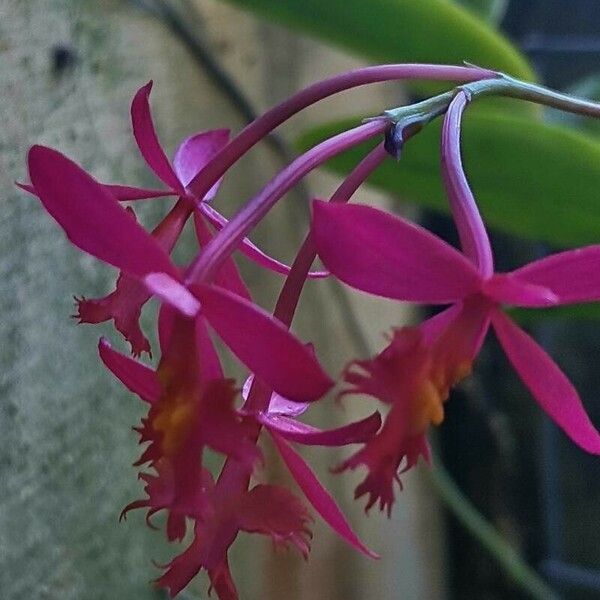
<point>287,302</point>
<point>226,241</point>
<point>292,288</point>
<point>289,296</point>
<point>274,117</point>
<point>233,477</point>
<point>471,229</point>
<point>171,226</point>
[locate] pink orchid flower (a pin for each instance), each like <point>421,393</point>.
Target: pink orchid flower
<point>264,509</point>
<point>192,156</point>
<point>183,488</point>
<point>191,404</point>
<point>282,515</point>
<point>385,255</point>
<point>94,221</point>
<point>125,303</point>
<point>191,407</point>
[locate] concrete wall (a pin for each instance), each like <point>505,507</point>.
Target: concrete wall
<point>66,444</point>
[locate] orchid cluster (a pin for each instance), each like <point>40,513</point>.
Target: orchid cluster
<point>194,407</point>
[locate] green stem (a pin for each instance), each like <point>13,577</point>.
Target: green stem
<point>472,520</point>
<point>423,112</point>
<point>542,95</point>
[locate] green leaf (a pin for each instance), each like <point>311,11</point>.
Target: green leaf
<point>575,312</point>
<point>435,31</point>
<point>531,179</point>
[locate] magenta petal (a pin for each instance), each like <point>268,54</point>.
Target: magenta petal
<point>210,365</point>
<point>264,345</point>
<point>124,306</point>
<point>228,276</point>
<point>318,496</point>
<point>278,405</point>
<point>166,320</point>
<point>295,431</point>
<point>251,251</point>
<point>222,582</point>
<point>547,383</point>
<point>384,255</point>
<point>92,219</point>
<point>195,152</point>
<point>124,193</point>
<point>574,275</point>
<point>464,334</point>
<point>147,140</point>
<point>172,292</point>
<point>184,567</point>
<point>432,328</point>
<point>26,187</point>
<point>137,377</point>
<point>508,289</point>
<point>273,510</point>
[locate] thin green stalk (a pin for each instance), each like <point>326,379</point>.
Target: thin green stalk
<point>425,111</point>
<point>471,519</point>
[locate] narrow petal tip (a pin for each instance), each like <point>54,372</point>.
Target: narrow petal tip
<point>137,377</point>
<point>509,289</point>
<point>26,187</point>
<point>90,215</point>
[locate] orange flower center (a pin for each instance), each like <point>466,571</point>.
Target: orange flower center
<point>174,415</point>
<point>174,420</point>
<point>431,394</point>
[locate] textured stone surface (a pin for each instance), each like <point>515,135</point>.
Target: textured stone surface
<point>67,73</point>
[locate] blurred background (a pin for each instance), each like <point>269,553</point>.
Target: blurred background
<point>515,512</point>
